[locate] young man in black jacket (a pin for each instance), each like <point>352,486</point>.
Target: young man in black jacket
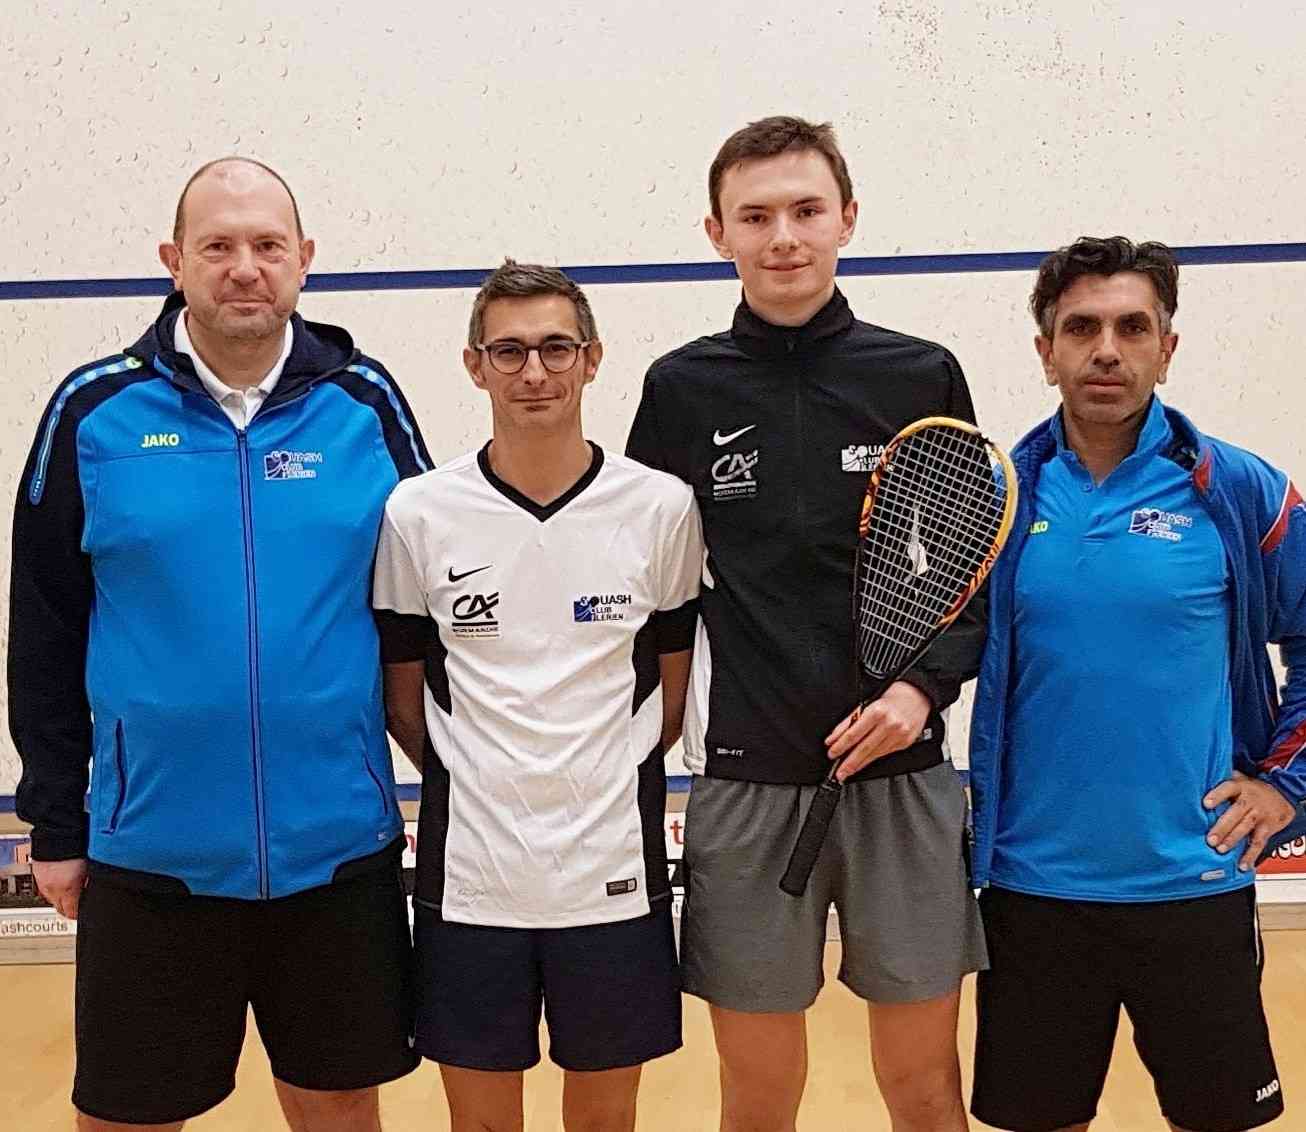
<point>776,424</point>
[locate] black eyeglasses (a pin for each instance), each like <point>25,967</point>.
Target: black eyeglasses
<point>557,355</point>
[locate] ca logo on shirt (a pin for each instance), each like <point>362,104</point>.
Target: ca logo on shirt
<point>732,475</point>
<point>474,616</point>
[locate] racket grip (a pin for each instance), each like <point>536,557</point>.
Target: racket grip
<point>811,837</point>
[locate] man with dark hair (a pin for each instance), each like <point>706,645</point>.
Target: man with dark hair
<point>1130,758</point>
<point>537,602</point>
<point>189,612</point>
<point>776,424</point>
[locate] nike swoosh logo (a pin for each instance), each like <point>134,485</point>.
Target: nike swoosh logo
<point>719,440</point>
<point>466,573</point>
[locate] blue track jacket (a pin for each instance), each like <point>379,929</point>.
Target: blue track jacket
<point>190,612</point>
<point>1262,523</point>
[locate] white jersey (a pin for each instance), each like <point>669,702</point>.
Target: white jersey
<point>541,629</point>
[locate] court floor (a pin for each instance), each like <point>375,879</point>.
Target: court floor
<point>679,1092</point>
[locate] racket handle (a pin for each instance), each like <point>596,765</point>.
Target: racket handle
<point>811,837</point>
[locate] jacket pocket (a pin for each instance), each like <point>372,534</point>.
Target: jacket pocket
<point>376,781</point>
<point>120,771</point>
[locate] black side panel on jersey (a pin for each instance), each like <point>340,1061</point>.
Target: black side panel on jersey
<point>652,814</point>
<point>437,674</point>
<point>644,656</point>
<point>432,830</point>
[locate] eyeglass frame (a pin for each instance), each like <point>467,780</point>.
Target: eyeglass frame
<point>484,347</point>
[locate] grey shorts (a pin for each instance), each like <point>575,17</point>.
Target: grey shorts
<point>893,866</point>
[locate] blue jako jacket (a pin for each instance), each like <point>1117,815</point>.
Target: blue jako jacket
<point>190,613</point>
<point>1262,523</point>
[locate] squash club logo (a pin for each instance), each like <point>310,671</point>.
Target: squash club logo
<point>600,607</point>
<point>1152,522</point>
<point>286,465</point>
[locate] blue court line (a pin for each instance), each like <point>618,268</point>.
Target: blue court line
<point>944,264</point>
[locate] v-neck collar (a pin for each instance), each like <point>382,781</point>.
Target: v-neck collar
<point>544,511</point>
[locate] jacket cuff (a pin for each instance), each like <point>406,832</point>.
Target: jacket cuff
<point>61,844</point>
<point>925,684</point>
<point>1276,780</point>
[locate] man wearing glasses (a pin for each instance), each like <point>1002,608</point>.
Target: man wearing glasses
<point>532,597</point>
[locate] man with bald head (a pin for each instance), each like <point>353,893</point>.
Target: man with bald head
<point>190,615</point>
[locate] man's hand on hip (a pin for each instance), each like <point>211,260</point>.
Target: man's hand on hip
<point>1257,811</point>
<point>886,725</point>
<point>61,883</point>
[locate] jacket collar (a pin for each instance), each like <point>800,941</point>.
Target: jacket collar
<point>319,350</point>
<point>1187,447</point>
<point>762,339</point>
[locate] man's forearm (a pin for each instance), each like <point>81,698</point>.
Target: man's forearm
<point>674,670</point>
<point>405,708</point>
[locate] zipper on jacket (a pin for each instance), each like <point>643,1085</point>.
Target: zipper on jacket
<point>1025,512</point>
<point>255,693</point>
<point>121,763</point>
<point>367,765</point>
<point>800,508</point>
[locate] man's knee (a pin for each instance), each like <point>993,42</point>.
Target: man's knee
<point>94,1124</point>
<point>329,1110</point>
<point>615,1116</point>
<point>760,1094</point>
<point>922,1097</point>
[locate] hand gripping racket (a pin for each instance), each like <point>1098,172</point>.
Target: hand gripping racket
<point>937,512</point>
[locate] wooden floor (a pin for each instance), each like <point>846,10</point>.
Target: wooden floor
<point>679,1092</point>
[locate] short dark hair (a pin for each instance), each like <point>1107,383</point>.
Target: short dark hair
<point>1095,255</point>
<point>769,137</point>
<point>179,223</point>
<point>513,280</point>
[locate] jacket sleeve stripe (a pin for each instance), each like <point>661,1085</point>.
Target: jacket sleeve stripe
<point>1275,534</point>
<point>1202,473</point>
<point>1283,755</point>
<point>36,488</point>
<point>385,387</point>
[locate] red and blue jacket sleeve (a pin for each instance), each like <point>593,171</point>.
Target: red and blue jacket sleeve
<point>1283,559</point>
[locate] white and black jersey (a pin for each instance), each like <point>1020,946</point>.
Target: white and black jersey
<point>777,429</point>
<point>542,802</point>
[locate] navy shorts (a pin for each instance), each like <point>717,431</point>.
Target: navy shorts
<point>610,992</point>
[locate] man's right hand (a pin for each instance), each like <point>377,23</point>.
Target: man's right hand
<point>61,883</point>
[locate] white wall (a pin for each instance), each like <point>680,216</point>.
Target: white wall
<point>422,135</point>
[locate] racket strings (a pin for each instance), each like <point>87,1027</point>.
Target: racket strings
<point>935,517</point>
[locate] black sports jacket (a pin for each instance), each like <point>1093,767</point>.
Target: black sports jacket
<point>776,429</point>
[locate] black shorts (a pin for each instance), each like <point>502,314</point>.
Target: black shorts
<point>1187,971</point>
<point>164,983</point>
<point>610,992</point>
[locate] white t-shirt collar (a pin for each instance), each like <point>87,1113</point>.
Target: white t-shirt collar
<point>218,389</point>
